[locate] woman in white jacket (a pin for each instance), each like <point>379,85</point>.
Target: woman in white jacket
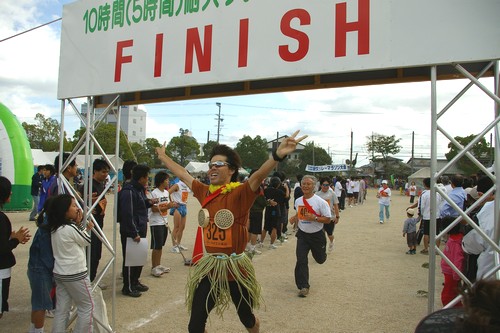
<point>69,239</point>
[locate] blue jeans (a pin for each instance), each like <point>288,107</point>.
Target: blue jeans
<point>34,211</point>
<point>381,212</point>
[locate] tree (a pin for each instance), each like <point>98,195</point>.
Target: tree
<point>149,146</point>
<point>105,135</point>
<point>45,134</point>
<point>481,151</point>
<point>313,155</point>
<point>183,148</point>
<point>207,149</point>
<point>253,152</point>
<point>382,147</point>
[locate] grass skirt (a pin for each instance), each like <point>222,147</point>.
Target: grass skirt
<point>217,267</point>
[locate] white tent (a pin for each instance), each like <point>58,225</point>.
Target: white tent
<point>41,157</point>
<point>197,167</point>
<point>418,176</point>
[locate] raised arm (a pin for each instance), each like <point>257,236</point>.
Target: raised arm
<point>287,146</point>
<point>176,169</point>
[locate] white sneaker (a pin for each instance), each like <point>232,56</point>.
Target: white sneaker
<point>254,251</point>
<point>272,247</point>
<point>49,313</point>
<point>330,247</point>
<point>182,247</point>
<point>259,245</point>
<point>164,269</point>
<point>175,249</point>
<point>156,271</point>
<point>381,222</point>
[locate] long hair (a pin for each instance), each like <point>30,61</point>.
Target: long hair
<point>56,211</point>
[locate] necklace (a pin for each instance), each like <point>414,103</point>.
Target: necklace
<point>224,188</point>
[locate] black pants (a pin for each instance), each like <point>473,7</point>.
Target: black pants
<point>200,306</point>
<point>95,249</point>
<point>131,274</point>
<point>316,243</point>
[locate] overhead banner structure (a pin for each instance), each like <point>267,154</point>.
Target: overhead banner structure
<point>327,168</point>
<point>118,46</point>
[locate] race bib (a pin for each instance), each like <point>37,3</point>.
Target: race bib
<point>301,212</point>
<point>217,237</point>
<point>185,197</point>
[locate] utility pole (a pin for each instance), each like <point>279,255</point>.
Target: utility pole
<point>350,156</point>
<point>218,122</point>
<point>412,151</point>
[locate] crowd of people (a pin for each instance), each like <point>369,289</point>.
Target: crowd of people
<point>240,213</point>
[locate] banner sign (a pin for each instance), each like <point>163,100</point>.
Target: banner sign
<point>327,168</point>
<point>120,46</point>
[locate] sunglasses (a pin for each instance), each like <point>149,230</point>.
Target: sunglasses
<point>325,184</point>
<point>217,164</point>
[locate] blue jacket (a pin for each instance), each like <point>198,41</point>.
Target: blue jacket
<point>133,210</point>
<point>41,257</point>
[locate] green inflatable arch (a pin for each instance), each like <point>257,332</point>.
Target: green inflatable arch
<point>16,161</point>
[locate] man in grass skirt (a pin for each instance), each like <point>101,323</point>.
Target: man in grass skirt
<point>225,273</point>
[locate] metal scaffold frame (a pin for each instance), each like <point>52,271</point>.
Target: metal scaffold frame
<point>494,126</point>
<point>89,143</point>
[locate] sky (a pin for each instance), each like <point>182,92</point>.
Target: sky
<point>28,85</point>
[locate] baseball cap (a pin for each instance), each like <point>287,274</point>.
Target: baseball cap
<point>472,191</point>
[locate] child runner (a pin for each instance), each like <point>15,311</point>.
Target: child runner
<point>410,231</point>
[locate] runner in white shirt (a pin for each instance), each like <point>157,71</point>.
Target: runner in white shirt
<point>312,213</point>
<point>179,193</point>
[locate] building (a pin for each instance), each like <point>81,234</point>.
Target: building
<point>132,120</point>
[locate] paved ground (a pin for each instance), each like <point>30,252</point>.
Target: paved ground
<point>368,284</point>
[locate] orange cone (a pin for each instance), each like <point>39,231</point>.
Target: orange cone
<point>198,246</point>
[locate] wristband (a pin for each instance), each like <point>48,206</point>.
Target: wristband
<point>276,157</point>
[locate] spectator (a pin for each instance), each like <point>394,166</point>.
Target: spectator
<point>36,184</point>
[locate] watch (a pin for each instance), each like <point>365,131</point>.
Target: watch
<point>316,218</point>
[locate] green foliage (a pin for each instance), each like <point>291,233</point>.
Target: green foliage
<point>383,146</point>
<point>45,134</point>
<point>253,152</point>
<point>313,155</point>
<point>481,151</point>
<point>105,134</point>
<point>183,148</point>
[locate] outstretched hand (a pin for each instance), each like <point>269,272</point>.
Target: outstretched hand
<point>288,145</point>
<point>160,151</point>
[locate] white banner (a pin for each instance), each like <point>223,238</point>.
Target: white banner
<point>118,46</point>
<point>327,168</point>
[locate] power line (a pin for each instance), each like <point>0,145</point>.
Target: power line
<point>23,32</point>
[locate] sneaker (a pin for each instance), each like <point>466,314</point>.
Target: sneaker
<point>164,269</point>
<point>424,251</point>
<point>182,247</point>
<point>156,271</point>
<point>409,252</point>
<point>254,251</point>
<point>49,313</point>
<point>133,293</point>
<point>175,249</point>
<point>330,247</point>
<point>140,287</point>
<point>103,286</point>
<point>413,251</point>
<point>259,245</point>
<point>272,247</point>
<point>303,292</point>
<point>381,222</point>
